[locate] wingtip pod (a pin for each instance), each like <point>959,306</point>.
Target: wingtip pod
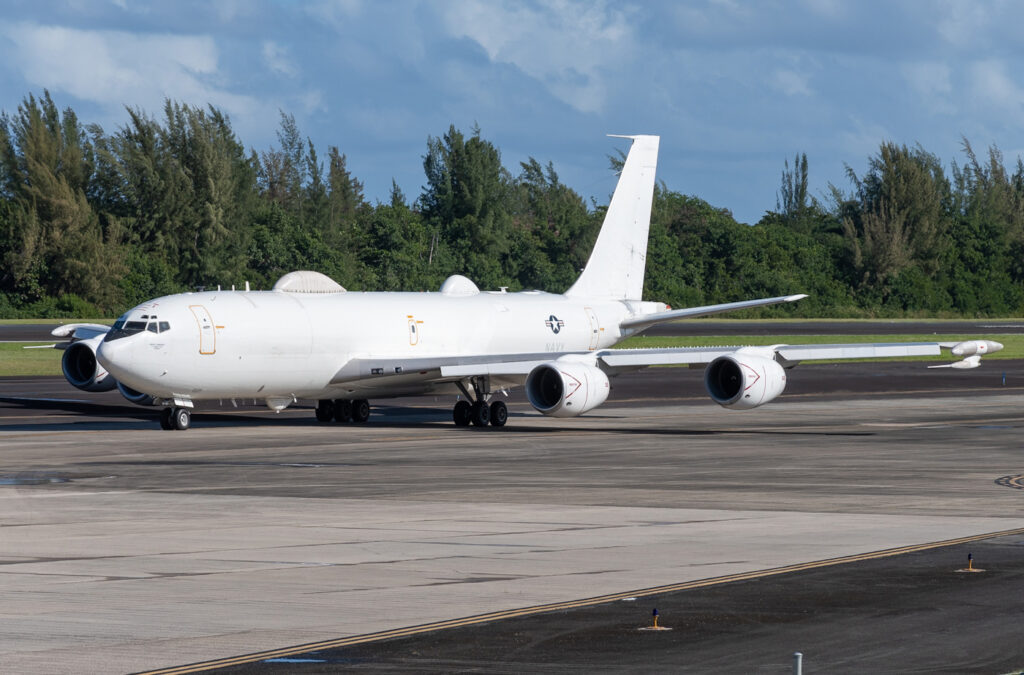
<point>972,347</point>
<point>971,350</point>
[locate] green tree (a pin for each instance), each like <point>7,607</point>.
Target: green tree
<point>54,243</point>
<point>898,217</point>
<point>467,198</point>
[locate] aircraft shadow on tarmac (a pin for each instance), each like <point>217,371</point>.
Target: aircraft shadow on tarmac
<point>131,417</point>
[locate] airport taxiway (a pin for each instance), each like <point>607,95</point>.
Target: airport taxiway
<point>128,548</point>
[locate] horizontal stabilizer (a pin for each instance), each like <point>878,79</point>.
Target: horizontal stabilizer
<point>648,320</point>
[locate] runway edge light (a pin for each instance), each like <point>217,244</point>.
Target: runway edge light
<point>655,626</point>
<point>970,565</point>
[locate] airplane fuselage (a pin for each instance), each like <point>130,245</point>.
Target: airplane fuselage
<point>278,345</point>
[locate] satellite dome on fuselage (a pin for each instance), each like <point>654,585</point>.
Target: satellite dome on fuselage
<point>457,284</point>
<point>306,281</point>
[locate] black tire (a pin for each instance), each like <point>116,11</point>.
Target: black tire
<point>479,414</point>
<point>182,419</point>
<point>499,414</point>
<point>360,410</point>
<point>461,413</point>
<point>343,410</point>
<point>166,421</point>
<point>324,411</point>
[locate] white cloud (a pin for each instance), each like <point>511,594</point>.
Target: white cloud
<point>570,47</point>
<point>276,58</point>
<point>993,86</point>
<point>336,12</point>
<point>863,139</point>
<point>115,68</point>
<point>791,83</point>
<point>963,23</point>
<point>932,81</point>
<point>828,9</point>
<point>313,101</point>
<point>928,77</point>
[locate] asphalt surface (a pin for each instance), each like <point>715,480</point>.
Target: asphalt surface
<point>853,458</point>
<point>912,613</point>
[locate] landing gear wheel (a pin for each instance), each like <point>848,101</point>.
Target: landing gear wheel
<point>360,410</point>
<point>182,419</point>
<point>343,410</point>
<point>499,414</point>
<point>166,423</point>
<point>479,414</point>
<point>461,414</point>
<point>324,411</point>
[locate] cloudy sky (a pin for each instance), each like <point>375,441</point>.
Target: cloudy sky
<point>733,88</point>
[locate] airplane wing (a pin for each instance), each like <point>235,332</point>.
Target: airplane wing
<point>80,331</point>
<point>516,366</point>
<point>786,355</point>
<point>75,332</point>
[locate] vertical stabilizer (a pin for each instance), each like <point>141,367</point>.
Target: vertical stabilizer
<point>616,265</point>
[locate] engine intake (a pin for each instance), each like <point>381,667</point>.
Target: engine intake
<point>743,381</point>
<point>566,388</point>
<point>82,369</point>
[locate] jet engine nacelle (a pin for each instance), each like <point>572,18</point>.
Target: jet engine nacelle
<point>742,381</point>
<point>136,397</point>
<point>82,369</point>
<point>565,388</point>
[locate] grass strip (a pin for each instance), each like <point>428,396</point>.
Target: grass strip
<point>17,361</point>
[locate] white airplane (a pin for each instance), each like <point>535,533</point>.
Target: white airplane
<point>309,338</point>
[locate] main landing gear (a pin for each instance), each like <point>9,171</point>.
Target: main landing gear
<point>175,418</point>
<point>342,410</point>
<point>475,410</point>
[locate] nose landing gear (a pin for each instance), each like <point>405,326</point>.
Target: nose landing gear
<point>175,419</point>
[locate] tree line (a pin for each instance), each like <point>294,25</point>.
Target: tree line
<point>92,223</point>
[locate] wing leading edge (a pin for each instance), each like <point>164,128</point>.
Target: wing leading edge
<point>647,320</point>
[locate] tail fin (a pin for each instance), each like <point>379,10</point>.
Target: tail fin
<point>616,265</point>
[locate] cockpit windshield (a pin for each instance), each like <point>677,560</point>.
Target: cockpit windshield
<point>123,328</point>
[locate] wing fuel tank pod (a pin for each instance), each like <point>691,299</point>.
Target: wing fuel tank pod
<point>744,380</point>
<point>565,388</point>
<point>976,347</point>
<point>971,351</point>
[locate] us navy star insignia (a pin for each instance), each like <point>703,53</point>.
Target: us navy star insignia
<point>554,323</point>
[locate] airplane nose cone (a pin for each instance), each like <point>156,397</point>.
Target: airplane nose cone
<point>115,356</point>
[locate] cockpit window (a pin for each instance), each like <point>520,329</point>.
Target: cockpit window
<point>124,328</point>
<point>147,322</point>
